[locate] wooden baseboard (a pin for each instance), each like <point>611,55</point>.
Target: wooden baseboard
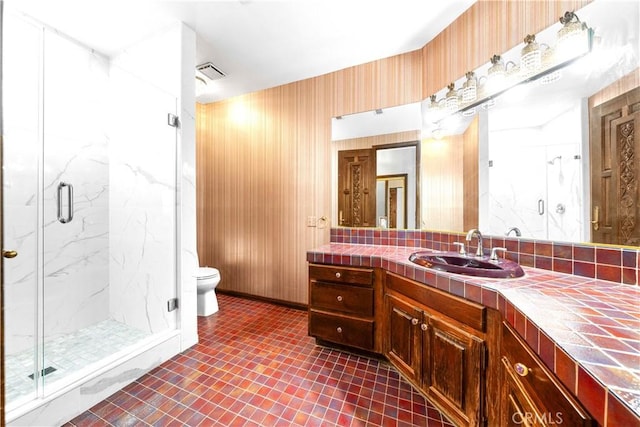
<point>294,305</point>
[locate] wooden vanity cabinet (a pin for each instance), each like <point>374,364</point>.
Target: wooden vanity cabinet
<point>342,305</point>
<point>441,355</point>
<point>532,395</point>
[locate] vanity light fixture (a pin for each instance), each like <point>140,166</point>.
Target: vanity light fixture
<point>530,56</point>
<point>497,74</point>
<point>537,62</point>
<point>437,133</point>
<point>451,102</point>
<point>489,104</point>
<point>470,87</point>
<point>571,35</point>
<point>469,112</point>
<point>551,77</point>
<point>433,109</point>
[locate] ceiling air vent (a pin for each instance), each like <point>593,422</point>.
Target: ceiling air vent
<point>210,70</point>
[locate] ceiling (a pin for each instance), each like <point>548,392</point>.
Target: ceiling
<point>258,44</point>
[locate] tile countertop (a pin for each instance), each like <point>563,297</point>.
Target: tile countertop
<point>586,331</point>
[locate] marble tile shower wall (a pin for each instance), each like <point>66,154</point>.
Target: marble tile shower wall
<point>75,257</point>
<point>142,200</point>
<point>618,265</point>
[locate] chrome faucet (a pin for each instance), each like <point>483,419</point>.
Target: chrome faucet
<point>476,232</point>
<point>516,231</point>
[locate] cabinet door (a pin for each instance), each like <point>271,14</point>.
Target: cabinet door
<point>403,340</point>
<point>453,369</point>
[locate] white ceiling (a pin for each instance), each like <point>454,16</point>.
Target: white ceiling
<point>258,44</point>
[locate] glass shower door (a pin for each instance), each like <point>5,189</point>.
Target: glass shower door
<point>75,198</point>
<point>21,164</point>
<point>109,212</point>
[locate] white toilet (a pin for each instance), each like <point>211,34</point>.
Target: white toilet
<point>208,279</point>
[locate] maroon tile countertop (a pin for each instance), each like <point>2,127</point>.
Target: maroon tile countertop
<point>587,331</point>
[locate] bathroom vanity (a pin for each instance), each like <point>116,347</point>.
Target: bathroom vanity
<point>342,304</point>
<point>466,343</point>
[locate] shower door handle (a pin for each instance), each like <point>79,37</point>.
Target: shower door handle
<point>62,218</point>
<point>540,207</point>
<point>9,253</point>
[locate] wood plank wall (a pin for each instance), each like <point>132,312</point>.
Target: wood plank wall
<point>264,159</point>
<point>441,171</point>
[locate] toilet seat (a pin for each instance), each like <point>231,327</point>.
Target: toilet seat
<point>207,273</point>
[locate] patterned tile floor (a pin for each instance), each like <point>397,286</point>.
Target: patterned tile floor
<point>256,366</point>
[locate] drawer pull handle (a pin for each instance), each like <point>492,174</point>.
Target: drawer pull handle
<point>414,321</point>
<point>521,369</point>
<point>339,329</point>
<point>424,327</point>
<point>338,275</point>
<point>339,298</point>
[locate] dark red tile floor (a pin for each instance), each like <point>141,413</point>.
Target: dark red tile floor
<point>256,366</point>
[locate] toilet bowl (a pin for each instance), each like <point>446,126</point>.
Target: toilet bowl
<point>208,279</point>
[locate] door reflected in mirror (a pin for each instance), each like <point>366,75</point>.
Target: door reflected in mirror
<point>391,201</point>
<point>378,186</point>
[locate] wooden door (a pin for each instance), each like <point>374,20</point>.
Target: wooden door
<point>615,155</point>
<point>393,207</point>
<point>453,370</point>
<point>402,345</point>
<point>357,188</point>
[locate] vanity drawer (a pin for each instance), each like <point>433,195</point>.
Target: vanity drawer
<point>330,273</point>
<point>543,390</point>
<point>342,329</point>
<point>467,312</point>
<point>344,298</point>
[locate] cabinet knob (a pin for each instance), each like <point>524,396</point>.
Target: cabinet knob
<point>339,329</point>
<point>339,298</point>
<point>424,327</point>
<point>414,321</point>
<point>521,369</point>
<point>338,275</point>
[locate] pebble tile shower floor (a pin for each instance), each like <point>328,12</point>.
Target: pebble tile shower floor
<point>256,366</point>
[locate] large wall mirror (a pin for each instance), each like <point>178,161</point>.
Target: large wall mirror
<point>538,167</point>
<point>376,158</point>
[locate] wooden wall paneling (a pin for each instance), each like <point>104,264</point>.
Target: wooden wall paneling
<point>620,86</point>
<point>259,165</point>
<point>264,161</point>
<point>387,82</point>
<point>442,183</point>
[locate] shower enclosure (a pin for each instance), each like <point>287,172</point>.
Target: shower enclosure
<point>89,194</point>
<point>536,179</point>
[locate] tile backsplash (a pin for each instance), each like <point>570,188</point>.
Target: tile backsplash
<point>603,262</point>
